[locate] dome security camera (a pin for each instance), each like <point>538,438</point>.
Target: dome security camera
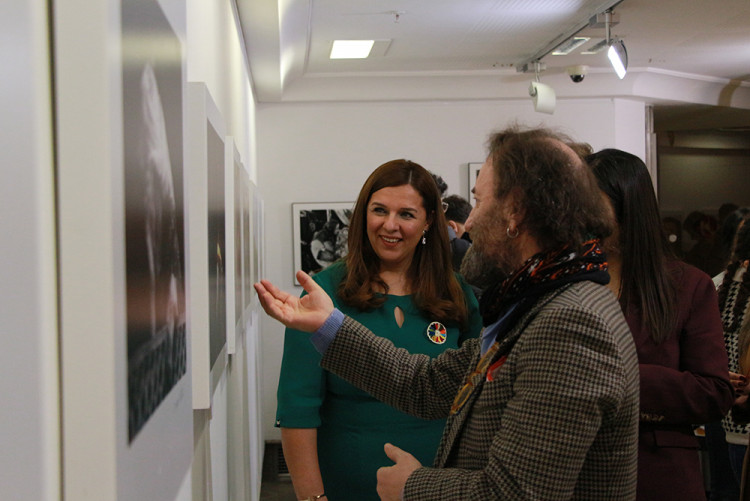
<point>577,73</point>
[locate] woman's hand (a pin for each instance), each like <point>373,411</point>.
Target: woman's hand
<point>307,313</point>
<point>739,382</point>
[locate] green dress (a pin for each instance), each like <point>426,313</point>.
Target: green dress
<point>352,425</point>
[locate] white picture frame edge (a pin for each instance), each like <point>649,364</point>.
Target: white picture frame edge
<point>200,109</point>
<point>231,155</point>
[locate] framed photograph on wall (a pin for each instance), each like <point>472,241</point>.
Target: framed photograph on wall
<point>258,238</point>
<point>208,262</point>
<point>250,275</point>
<point>473,174</point>
<point>320,234</point>
<point>235,172</point>
<point>120,174</point>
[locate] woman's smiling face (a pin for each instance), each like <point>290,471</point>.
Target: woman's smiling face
<point>396,218</point>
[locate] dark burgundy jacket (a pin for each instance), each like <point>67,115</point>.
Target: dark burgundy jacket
<point>684,382</point>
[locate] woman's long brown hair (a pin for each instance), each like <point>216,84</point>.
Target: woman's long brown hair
<point>434,286</point>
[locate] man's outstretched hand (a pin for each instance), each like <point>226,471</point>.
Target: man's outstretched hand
<point>306,314</point>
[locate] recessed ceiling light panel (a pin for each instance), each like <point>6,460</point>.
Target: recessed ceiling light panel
<point>351,49</point>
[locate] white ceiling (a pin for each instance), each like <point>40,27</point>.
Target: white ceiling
<point>434,41</point>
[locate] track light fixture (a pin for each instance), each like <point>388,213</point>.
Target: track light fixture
<point>543,96</point>
<point>617,53</point>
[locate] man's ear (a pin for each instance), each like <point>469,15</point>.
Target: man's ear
<point>516,211</point>
<point>454,226</point>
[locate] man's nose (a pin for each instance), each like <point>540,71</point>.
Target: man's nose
<point>469,221</point>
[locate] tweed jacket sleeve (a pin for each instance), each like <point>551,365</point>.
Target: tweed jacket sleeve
<point>415,384</point>
<point>558,419</point>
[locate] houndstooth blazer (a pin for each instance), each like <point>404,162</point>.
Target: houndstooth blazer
<point>557,420</point>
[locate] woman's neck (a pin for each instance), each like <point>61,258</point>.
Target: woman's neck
<point>397,281</point>
<point>615,274</point>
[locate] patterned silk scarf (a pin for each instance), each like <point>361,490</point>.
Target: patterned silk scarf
<point>542,273</point>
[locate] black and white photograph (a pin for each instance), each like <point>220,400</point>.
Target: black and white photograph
<point>217,261</point>
<point>321,231</point>
<point>154,208</point>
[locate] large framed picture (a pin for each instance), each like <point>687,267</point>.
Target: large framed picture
<point>120,173</point>
<point>473,174</point>
<point>320,234</point>
<point>208,259</point>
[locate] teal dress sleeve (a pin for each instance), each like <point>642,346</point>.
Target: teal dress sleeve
<point>302,383</point>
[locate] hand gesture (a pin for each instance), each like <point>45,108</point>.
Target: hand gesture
<point>392,479</point>
<point>306,314</point>
<point>739,382</point>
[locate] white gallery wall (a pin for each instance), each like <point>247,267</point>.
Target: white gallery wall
<point>323,152</point>
<point>215,56</point>
<point>703,181</point>
<point>29,421</point>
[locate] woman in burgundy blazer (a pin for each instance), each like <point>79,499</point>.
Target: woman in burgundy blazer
<point>673,313</point>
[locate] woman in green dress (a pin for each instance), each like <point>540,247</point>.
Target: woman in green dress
<point>398,281</point>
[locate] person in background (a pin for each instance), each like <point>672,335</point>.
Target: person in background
<point>738,317</point>
<point>727,237</point>
<point>734,304</point>
<point>704,254</point>
<point>725,481</point>
<point>397,280</point>
<point>672,311</point>
<point>673,230</point>
<point>456,213</point>
<point>725,210</point>
<point>442,186</point>
<point>545,405</point>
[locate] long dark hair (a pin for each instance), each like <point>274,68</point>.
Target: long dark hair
<point>435,287</point>
<point>740,254</point>
<point>646,282</point>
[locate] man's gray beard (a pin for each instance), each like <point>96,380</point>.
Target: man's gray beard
<point>480,270</point>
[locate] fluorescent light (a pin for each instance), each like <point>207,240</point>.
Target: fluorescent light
<point>596,48</point>
<point>351,49</point>
<point>566,48</point>
<point>618,56</point>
